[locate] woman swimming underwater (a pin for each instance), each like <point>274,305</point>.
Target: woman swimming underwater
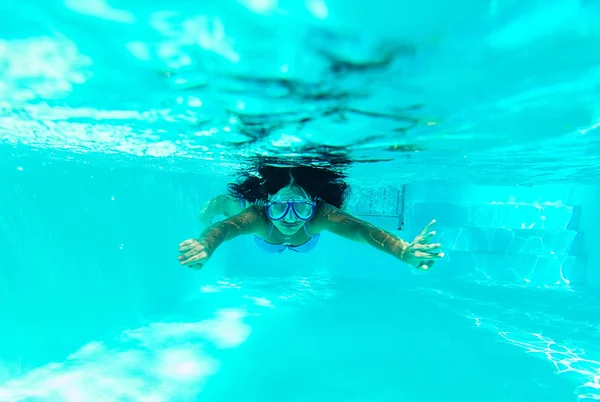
<point>287,209</point>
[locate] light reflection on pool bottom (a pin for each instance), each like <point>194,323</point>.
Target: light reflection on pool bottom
<point>556,324</point>
<point>309,339</point>
<point>160,362</point>
<point>168,360</point>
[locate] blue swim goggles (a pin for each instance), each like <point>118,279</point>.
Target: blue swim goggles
<point>304,210</point>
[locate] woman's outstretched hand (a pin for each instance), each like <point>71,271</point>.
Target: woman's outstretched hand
<point>193,253</point>
<point>421,253</point>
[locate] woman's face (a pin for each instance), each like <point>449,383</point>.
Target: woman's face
<point>290,223</point>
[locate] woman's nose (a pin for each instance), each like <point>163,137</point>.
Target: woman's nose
<point>289,217</point>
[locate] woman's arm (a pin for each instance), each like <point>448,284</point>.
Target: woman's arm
<point>418,253</point>
<point>350,227</point>
<point>246,222</point>
<point>220,205</point>
<point>196,252</point>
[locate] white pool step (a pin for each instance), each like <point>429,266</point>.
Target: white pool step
<point>514,268</point>
<point>554,242</point>
<point>500,215</point>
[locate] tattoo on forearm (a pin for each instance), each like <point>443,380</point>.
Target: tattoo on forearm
<point>359,229</point>
<point>214,235</point>
<point>221,231</point>
<point>385,240</point>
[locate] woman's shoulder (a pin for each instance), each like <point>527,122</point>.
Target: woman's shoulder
<point>323,214</point>
<point>259,218</point>
<point>325,210</point>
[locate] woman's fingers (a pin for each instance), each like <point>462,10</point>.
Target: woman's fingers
<point>427,246</point>
<point>424,253</point>
<point>426,229</point>
<point>426,265</point>
<point>425,238</point>
<point>190,245</point>
<point>427,255</point>
<point>194,258</point>
<point>186,245</point>
<point>196,250</point>
<point>190,253</point>
<point>187,242</point>
<point>196,265</point>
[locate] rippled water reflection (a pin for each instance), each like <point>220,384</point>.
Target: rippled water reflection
<point>432,91</point>
<point>558,324</point>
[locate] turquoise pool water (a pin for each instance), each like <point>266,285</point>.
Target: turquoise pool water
<point>119,119</point>
<point>313,338</point>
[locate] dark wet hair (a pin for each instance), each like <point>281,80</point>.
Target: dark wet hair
<point>320,183</point>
